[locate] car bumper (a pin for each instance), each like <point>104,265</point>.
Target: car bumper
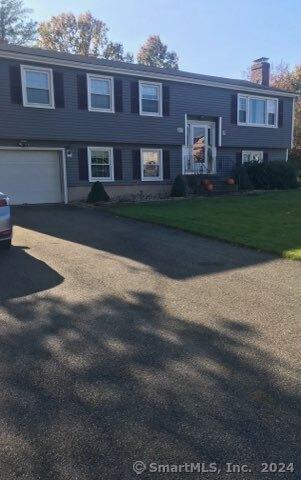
<point>5,224</point>
<point>6,234</point>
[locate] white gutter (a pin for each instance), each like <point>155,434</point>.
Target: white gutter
<point>135,73</point>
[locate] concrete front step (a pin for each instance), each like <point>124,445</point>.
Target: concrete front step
<point>215,193</point>
<point>195,185</point>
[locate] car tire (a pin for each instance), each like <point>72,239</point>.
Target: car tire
<point>5,245</point>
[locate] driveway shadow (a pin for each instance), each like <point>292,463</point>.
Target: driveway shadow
<point>90,388</point>
<point>21,274</point>
<point>172,253</point>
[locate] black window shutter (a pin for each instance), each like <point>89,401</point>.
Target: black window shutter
<point>217,132</point>
<point>134,97</point>
<point>136,165</point>
<point>166,109</point>
<point>280,113</point>
<point>83,164</point>
<point>234,109</point>
<point>117,164</point>
<point>166,164</point>
<point>15,84</point>
<point>58,83</point>
<point>265,157</point>
<point>238,159</point>
<point>82,93</point>
<point>118,95</point>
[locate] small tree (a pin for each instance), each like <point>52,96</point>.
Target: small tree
<point>97,193</point>
<point>178,187</point>
<point>155,53</point>
<point>15,25</point>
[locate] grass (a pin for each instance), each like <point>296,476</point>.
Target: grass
<point>269,221</point>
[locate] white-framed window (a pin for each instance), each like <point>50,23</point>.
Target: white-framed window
<point>257,111</point>
<point>101,164</point>
<point>242,109</point>
<point>150,98</point>
<point>272,112</point>
<point>100,93</point>
<point>252,156</point>
<point>151,164</point>
<point>37,87</point>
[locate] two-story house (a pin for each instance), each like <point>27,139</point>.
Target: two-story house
<point>67,121</point>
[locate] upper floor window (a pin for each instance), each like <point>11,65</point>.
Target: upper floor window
<point>37,87</point>
<point>150,98</point>
<point>101,165</point>
<point>151,164</point>
<point>257,111</point>
<point>100,93</point>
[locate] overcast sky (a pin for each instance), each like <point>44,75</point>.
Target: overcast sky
<point>213,37</point>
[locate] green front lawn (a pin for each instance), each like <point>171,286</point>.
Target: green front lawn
<point>269,221</point>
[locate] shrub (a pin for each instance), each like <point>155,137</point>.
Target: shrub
<point>270,175</point>
<point>178,187</point>
<point>242,178</point>
<point>97,193</point>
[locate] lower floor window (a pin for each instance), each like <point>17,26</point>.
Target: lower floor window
<point>100,164</point>
<point>252,156</point>
<point>151,164</point>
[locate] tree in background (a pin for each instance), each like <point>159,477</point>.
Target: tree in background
<point>16,26</point>
<point>155,53</point>
<point>286,79</point>
<point>82,35</point>
<point>115,51</point>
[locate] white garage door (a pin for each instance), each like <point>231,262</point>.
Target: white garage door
<point>31,176</point>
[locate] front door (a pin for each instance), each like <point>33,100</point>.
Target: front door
<point>201,145</point>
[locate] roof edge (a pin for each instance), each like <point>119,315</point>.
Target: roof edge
<point>138,73</point>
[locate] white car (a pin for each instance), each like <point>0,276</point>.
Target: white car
<point>6,230</point>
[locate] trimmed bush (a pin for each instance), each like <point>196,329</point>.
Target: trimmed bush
<point>294,159</point>
<point>97,193</point>
<point>242,178</point>
<point>178,187</point>
<point>270,175</point>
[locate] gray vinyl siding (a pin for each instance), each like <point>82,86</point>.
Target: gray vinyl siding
<point>127,164</point>
<point>72,167</point>
<point>73,128</point>
<point>226,158</point>
<point>70,124</point>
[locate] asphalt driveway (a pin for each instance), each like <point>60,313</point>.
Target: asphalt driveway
<point>124,342</point>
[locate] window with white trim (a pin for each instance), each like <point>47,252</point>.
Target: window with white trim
<point>151,164</point>
<point>252,156</point>
<point>150,98</point>
<point>271,112</point>
<point>100,93</point>
<point>37,87</point>
<point>257,111</point>
<point>101,164</point>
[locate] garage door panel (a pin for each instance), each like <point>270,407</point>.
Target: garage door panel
<point>31,176</point>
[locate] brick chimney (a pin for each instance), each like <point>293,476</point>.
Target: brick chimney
<point>260,71</point>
